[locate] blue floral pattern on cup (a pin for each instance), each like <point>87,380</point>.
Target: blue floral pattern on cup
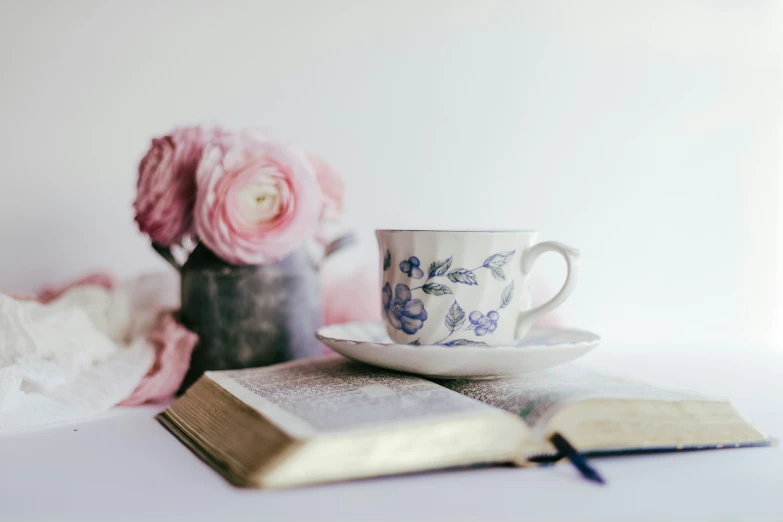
<point>484,324</point>
<point>410,267</point>
<point>408,314</point>
<point>403,312</point>
<point>477,322</point>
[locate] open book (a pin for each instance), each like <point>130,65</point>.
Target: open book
<point>331,419</point>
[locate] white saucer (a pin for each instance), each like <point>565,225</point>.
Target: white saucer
<point>542,348</point>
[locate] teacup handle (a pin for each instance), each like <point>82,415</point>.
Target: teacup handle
<point>571,256</point>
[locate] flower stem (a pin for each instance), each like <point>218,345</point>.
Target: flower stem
<point>443,275</point>
<point>450,334</point>
<point>471,327</point>
<point>425,282</point>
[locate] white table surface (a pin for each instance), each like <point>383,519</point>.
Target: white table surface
<point>124,466</point>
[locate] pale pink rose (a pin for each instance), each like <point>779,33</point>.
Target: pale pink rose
<point>166,188</point>
<point>173,345</point>
<point>332,187</point>
<point>258,200</point>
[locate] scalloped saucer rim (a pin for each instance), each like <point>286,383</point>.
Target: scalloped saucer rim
<point>376,332</point>
<point>543,348</point>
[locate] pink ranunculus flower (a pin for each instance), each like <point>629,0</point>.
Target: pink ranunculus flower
<point>166,189</point>
<point>332,187</point>
<point>258,200</point>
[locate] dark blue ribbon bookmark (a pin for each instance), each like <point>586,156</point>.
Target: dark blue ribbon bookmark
<point>577,459</point>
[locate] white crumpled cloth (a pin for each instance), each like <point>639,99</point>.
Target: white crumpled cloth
<point>79,355</point>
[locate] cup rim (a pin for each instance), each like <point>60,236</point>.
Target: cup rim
<point>457,231</point>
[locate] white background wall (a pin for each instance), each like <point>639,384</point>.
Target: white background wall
<point>645,133</point>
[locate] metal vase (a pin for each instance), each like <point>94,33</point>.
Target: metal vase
<point>248,316</point>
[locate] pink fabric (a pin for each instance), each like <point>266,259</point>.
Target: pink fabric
<point>166,188</point>
<point>173,345</point>
<point>350,294</point>
<point>257,200</point>
<point>21,296</point>
<point>50,293</point>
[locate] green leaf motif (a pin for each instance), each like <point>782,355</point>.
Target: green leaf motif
<point>464,276</point>
<point>387,260</point>
<point>507,295</point>
<point>498,273</point>
<point>499,259</point>
<point>415,343</point>
<point>456,317</point>
<point>465,342</point>
<point>439,268</point>
<point>436,289</point>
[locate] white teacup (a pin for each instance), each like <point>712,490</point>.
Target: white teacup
<point>464,288</point>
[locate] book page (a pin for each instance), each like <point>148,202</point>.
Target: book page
<point>331,394</point>
<point>538,396</point>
